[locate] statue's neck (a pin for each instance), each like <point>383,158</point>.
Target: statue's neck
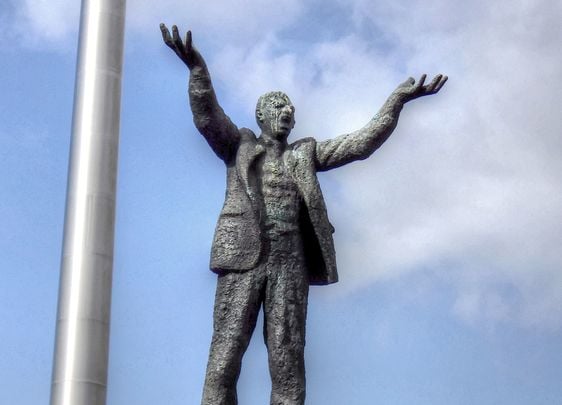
<point>273,145</point>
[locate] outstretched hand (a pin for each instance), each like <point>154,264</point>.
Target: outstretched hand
<point>185,51</point>
<point>410,90</point>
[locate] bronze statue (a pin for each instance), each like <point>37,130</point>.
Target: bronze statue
<point>273,238</point>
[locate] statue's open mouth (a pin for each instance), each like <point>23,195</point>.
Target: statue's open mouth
<point>285,125</point>
<point>285,119</point>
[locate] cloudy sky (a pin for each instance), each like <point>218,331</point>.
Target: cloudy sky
<point>448,238</point>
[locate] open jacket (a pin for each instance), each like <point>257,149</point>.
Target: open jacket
<point>237,244</point>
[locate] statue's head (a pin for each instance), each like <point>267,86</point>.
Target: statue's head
<point>275,115</point>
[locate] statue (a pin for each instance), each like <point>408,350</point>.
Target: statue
<point>273,238</point>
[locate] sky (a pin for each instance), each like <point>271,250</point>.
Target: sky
<point>448,238</point>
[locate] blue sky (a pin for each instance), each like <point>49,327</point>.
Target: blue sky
<point>448,238</point>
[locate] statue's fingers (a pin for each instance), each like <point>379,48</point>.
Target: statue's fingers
<point>408,82</point>
<point>177,39</point>
<point>431,86</point>
<point>166,35</point>
<point>188,41</point>
<point>421,82</point>
<point>441,83</point>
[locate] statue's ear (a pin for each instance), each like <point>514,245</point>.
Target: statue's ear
<point>259,116</point>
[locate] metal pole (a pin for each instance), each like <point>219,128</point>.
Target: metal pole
<point>82,335</point>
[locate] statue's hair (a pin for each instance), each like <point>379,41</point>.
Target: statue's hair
<point>267,99</point>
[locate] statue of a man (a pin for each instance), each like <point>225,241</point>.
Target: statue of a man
<point>273,238</point>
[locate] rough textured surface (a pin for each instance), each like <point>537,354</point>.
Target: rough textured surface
<point>273,238</point>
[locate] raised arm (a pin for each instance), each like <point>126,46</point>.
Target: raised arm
<point>362,143</point>
<point>208,116</point>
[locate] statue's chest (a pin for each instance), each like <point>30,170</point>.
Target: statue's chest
<point>279,192</point>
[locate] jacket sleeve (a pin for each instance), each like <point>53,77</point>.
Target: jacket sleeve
<point>362,143</point>
<point>208,116</point>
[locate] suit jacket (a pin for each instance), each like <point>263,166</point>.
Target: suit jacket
<point>237,244</point>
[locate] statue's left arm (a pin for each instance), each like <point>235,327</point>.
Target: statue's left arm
<point>362,143</point>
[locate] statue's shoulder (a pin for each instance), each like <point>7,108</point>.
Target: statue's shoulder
<point>303,143</point>
<point>247,135</point>
<point>303,150</point>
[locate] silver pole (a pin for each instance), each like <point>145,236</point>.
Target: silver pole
<point>82,335</point>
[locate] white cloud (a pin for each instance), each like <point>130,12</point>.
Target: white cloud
<point>224,22</point>
<point>54,24</point>
<point>45,24</point>
<point>470,183</point>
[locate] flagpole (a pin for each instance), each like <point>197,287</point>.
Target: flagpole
<point>83,317</point>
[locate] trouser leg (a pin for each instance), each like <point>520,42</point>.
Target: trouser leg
<point>237,303</point>
<point>285,307</point>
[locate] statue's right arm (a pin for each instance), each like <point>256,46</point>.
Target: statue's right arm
<point>208,116</point>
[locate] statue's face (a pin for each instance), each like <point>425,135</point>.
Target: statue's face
<point>277,116</point>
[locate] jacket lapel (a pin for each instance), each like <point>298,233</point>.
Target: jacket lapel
<point>248,153</point>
